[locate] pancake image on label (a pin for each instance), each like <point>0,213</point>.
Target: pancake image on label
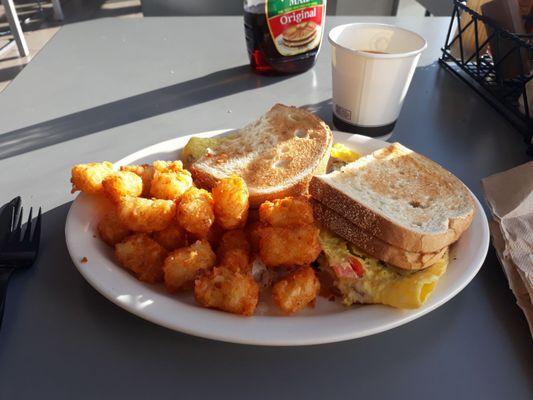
<point>294,47</point>
<point>302,43</point>
<point>300,35</point>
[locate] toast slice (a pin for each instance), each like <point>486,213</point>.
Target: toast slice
<point>276,155</point>
<point>371,245</point>
<point>400,197</point>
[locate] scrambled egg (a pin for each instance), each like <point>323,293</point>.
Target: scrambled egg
<point>340,156</point>
<point>197,147</point>
<point>364,279</point>
<point>343,153</point>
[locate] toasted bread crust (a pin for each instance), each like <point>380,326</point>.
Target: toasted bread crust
<point>380,227</point>
<point>375,247</point>
<point>301,157</point>
<point>387,229</point>
<point>202,178</point>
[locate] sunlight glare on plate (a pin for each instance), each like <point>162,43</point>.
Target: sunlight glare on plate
<point>135,301</point>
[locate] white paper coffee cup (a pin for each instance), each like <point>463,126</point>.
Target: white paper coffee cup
<point>372,66</point>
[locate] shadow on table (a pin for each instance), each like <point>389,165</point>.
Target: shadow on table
<point>443,117</point>
<point>51,306</point>
<point>131,109</point>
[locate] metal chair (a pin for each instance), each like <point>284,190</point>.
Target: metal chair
<point>16,29</point>
<point>14,26</point>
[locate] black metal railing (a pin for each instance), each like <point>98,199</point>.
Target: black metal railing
<point>484,67</point>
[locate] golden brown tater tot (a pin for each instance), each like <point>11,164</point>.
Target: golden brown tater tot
<point>195,212</point>
<point>183,265</point>
<point>168,166</point>
<point>234,251</point>
<point>171,238</point>
<point>146,172</point>
<point>111,230</point>
<point>143,256</point>
<point>145,215</point>
<point>285,247</point>
<point>169,185</point>
<point>231,202</point>
<point>227,290</point>
<point>288,211</point>
<point>170,180</point>
<point>88,177</point>
<point>122,183</point>
<point>296,290</point>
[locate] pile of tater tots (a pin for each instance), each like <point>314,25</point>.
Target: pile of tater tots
<point>165,229</point>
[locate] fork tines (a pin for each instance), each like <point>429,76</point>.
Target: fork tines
<point>29,237</point>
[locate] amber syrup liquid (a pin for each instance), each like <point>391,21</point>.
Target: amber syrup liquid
<point>264,57</point>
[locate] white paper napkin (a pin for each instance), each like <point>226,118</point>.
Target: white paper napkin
<point>510,196</point>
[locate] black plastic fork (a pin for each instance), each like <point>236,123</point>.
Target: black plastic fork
<point>19,247</point>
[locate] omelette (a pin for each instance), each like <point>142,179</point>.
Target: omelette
<point>367,280</point>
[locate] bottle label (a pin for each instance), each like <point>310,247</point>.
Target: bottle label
<point>296,26</point>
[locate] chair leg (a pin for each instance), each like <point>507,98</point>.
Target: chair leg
<point>14,25</point>
<point>58,11</point>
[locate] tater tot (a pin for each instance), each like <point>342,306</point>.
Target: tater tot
<point>170,185</point>
<point>122,183</point>
<point>168,166</point>
<point>195,212</point>
<point>231,202</point>
<point>234,251</point>
<point>288,211</point>
<point>171,238</point>
<point>88,177</point>
<point>183,265</point>
<point>285,247</point>
<point>143,256</point>
<point>111,230</point>
<point>170,180</point>
<point>227,290</point>
<point>145,172</point>
<point>145,215</point>
<point>296,290</point>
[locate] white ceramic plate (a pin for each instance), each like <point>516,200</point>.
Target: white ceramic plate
<point>327,322</point>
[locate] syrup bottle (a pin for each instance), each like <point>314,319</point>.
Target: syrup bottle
<point>283,36</point>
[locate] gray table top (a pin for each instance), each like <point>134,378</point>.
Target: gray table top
<point>103,89</point>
